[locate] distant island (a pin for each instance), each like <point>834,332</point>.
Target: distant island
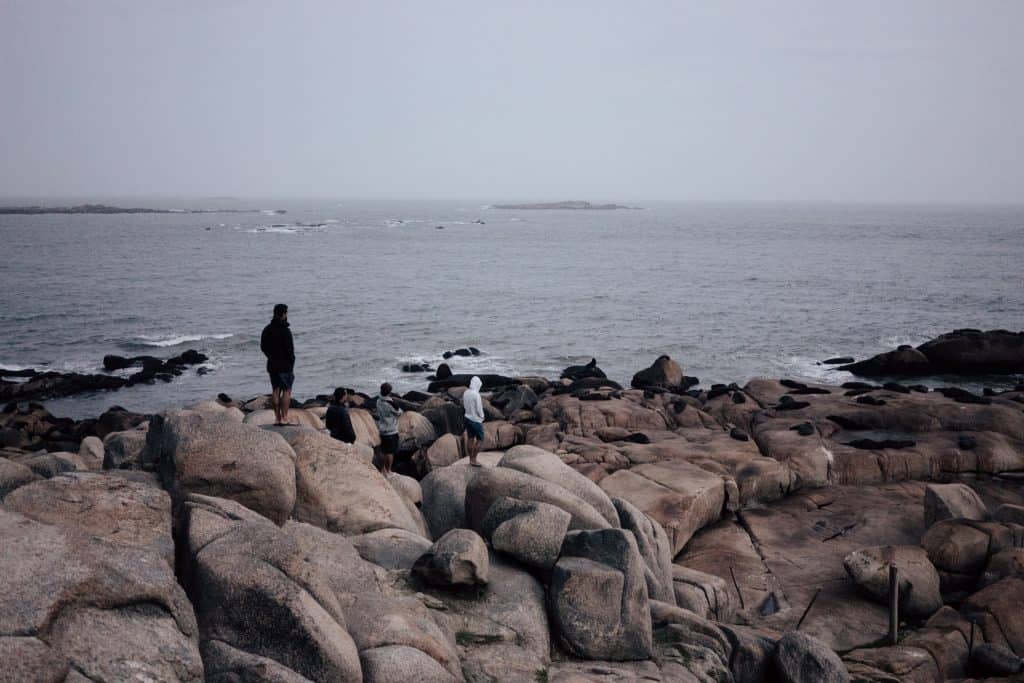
<point>563,205</point>
<point>103,208</point>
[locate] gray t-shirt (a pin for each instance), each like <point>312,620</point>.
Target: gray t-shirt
<point>387,416</point>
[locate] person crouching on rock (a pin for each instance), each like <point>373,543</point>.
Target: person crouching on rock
<point>279,348</point>
<point>473,421</point>
<point>387,424</point>
<point>339,423</point>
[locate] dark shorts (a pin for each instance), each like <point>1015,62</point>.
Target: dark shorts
<point>475,430</point>
<point>282,380</point>
<point>389,444</point>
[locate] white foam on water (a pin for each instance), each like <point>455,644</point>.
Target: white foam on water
<point>147,340</point>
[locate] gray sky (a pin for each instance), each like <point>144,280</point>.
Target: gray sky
<point>892,101</point>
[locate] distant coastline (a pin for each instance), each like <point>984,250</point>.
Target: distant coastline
<point>564,205</point>
<point>104,209</point>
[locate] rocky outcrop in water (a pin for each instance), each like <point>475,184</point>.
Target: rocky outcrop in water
<point>961,352</point>
<point>33,385</point>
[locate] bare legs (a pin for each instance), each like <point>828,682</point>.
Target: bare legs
<point>471,445</point>
<point>281,399</point>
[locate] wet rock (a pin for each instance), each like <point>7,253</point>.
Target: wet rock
<point>529,531</point>
<point>575,372</point>
<point>598,597</point>
<point>951,501</point>
<point>970,352</point>
<point>905,361</point>
<point>838,360</point>
<point>799,658</point>
<point>918,579</point>
<point>216,456</point>
<point>459,558</point>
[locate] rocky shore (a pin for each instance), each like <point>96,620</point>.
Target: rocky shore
<point>658,532</point>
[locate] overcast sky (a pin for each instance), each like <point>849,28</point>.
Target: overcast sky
<point>891,101</point>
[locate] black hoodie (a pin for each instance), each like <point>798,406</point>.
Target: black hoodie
<point>276,344</point>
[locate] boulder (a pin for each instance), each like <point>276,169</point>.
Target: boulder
<point>958,546</point>
<point>296,416</point>
<point>549,467</point>
<point>489,484</point>
<point>414,431</point>
<point>799,658</point>
<point>499,435</point>
<point>391,548</point>
<point>918,579</point>
<point>969,352</point>
<point>905,361</point>
<point>1012,514</point>
<point>502,629</point>
<point>337,490</point>
<point>752,653</point>
<point>703,594</point>
<point>13,475</point>
<point>251,569</point>
<point>598,597</point>
<point>123,512</point>
<point>91,451</point>
<point>664,373</point>
<point>892,664</point>
<point>994,660</point>
<point>217,407</point>
<point>459,558</point>
<point>365,427</point>
<point>951,501</point>
<point>114,612</point>
<point>529,531</point>
<point>655,550</point>
<point>401,663</point>
<point>680,496</point>
<point>124,450</point>
<point>377,621</point>
<point>444,498</point>
<point>214,455</point>
<point>997,608</point>
<point>443,452</point>
<point>1005,564</point>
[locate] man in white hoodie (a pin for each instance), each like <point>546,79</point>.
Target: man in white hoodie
<point>474,420</point>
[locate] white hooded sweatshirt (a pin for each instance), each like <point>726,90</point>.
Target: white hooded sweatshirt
<point>471,401</point>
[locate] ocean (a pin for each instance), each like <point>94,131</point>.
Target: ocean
<point>732,291</point>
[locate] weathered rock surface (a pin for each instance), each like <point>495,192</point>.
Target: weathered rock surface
<point>120,511</point>
<point>296,416</point>
<point>800,658</point>
<point>216,456</point>
<point>491,483</point>
<point>918,579</point>
<point>951,501</point>
<point>598,597</point>
<point>529,531</point>
<point>655,550</point>
<point>459,558</point>
<point>997,608</point>
<point>444,498</point>
<point>336,488</point>
<point>112,612</point>
<point>391,548</point>
<point>678,495</point>
<point>124,449</point>
<point>13,475</point>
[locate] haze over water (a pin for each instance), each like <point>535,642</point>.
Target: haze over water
<point>733,291</point>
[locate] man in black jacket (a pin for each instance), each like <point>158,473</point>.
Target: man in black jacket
<point>277,345</point>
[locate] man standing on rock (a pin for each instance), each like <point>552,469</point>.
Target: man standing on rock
<point>277,345</point>
<point>473,435</point>
<point>387,425</point>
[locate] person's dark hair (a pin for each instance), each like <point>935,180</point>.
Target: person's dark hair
<point>340,393</point>
<point>280,310</point>
<point>385,389</point>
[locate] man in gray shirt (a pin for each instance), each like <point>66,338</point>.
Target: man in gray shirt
<point>387,424</point>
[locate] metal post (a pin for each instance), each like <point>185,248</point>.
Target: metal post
<point>894,604</point>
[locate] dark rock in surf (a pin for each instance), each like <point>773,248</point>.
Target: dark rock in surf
<point>839,360</point>
<point>590,370</point>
